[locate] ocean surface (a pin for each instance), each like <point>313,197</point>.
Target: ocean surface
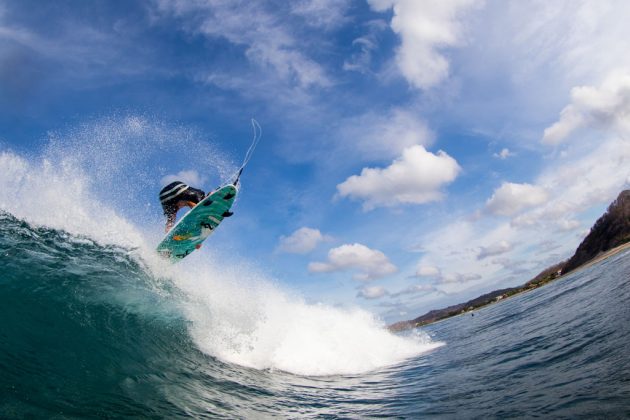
<point>92,330</point>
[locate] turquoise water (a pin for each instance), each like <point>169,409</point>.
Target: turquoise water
<point>92,330</point>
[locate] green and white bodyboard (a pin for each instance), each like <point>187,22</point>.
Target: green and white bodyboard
<point>196,225</point>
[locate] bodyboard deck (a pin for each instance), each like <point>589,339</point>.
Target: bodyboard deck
<point>196,225</point>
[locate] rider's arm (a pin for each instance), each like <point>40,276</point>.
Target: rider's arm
<point>170,221</point>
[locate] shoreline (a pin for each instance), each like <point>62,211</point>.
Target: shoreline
<point>599,258</point>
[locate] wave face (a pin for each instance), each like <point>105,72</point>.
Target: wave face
<point>89,330</point>
<point>84,329</point>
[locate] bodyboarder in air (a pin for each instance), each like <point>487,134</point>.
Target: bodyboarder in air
<point>175,196</point>
<point>208,210</point>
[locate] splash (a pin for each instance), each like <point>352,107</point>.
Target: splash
<point>241,317</point>
<point>81,183</point>
<point>57,195</point>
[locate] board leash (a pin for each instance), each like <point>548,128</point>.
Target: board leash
<point>250,151</point>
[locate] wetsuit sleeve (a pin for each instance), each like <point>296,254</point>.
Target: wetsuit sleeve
<point>198,194</point>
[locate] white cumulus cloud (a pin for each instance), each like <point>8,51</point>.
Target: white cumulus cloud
<point>372,292</point>
<point>592,107</point>
<point>511,198</point>
<point>568,224</point>
<point>503,154</point>
<point>415,178</point>
<point>190,177</point>
<point>414,289</point>
<point>425,28</point>
<point>427,271</point>
<point>498,248</point>
<point>302,241</point>
<point>448,278</point>
<point>369,263</point>
<point>579,182</point>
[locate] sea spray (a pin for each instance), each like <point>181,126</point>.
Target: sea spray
<point>58,195</point>
<point>80,185</point>
<point>241,317</point>
<point>128,158</point>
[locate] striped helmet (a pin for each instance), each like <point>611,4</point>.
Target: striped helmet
<point>169,193</point>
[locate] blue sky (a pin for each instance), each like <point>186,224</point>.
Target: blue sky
<point>414,154</point>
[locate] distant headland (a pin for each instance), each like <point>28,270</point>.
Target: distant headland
<point>609,235</point>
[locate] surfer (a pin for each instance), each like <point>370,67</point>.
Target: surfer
<point>175,196</point>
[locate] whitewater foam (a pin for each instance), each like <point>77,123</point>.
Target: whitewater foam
<point>241,317</point>
<point>236,312</point>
